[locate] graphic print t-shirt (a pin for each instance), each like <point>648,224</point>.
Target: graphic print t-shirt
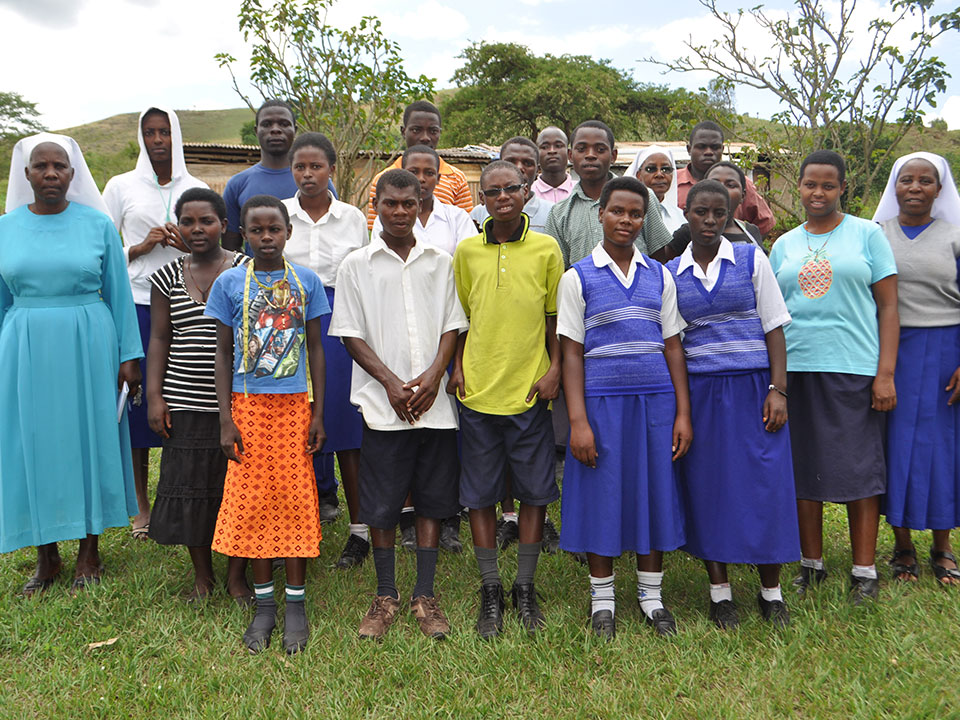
<point>275,361</point>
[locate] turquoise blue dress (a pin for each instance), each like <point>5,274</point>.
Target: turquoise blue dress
<point>67,321</point>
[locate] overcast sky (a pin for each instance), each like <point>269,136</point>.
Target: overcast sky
<point>83,60</point>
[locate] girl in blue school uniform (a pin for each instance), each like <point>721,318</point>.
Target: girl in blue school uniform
<point>737,480</point>
<point>626,386</point>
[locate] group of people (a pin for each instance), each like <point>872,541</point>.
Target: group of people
<point>710,398</point>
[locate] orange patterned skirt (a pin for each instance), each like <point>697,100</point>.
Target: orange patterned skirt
<point>269,506</point>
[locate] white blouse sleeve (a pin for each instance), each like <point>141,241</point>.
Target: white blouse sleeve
<point>770,305</point>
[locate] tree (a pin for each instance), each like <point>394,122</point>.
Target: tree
<point>248,133</point>
<point>859,106</point>
<point>18,117</point>
<point>348,84</point>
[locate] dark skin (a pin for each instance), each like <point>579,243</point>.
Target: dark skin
<point>397,209</point>
<point>820,191</point>
<point>707,216</point>
<point>276,129</point>
<point>422,128</point>
<point>656,173</point>
<point>526,161</point>
<point>622,220</point>
<point>50,173</point>
<point>427,169</point>
<point>266,230</point>
<point>552,143</point>
<point>592,154</point>
<point>201,228</point>
<point>917,186</point>
<point>505,209</point>
<point>729,178</point>
<point>705,148</point>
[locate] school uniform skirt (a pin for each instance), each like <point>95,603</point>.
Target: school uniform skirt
<point>192,468</point>
<point>269,506</point>
<point>141,436</point>
<point>341,420</point>
<point>923,433</point>
<point>837,439</point>
<point>630,501</point>
<point>736,483</point>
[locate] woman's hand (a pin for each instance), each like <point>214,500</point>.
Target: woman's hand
<point>883,394</point>
<point>954,385</point>
<point>316,435</point>
<point>682,436</point>
<point>583,445</point>
<point>774,411</point>
<point>231,441</point>
<point>129,374</point>
<point>158,415</point>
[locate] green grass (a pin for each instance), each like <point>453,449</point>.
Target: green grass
<point>896,659</point>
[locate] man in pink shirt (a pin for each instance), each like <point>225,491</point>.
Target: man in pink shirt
<point>706,148</point>
<point>554,184</point>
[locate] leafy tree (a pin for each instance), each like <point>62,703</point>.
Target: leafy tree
<point>938,124</point>
<point>348,84</point>
<point>861,107</point>
<point>248,133</point>
<point>18,117</point>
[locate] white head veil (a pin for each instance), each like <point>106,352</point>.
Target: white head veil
<point>946,207</point>
<point>82,190</point>
<point>178,164</point>
<point>670,197</point>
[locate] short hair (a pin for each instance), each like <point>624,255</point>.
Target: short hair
<point>825,157</point>
<point>732,166</point>
<point>419,150</point>
<point>596,124</point>
<point>274,102</point>
<point>552,127</point>
<point>630,184</point>
<point>420,106</point>
<point>708,187</point>
<point>206,195</point>
<point>315,140</point>
<point>399,179</point>
<point>154,111</point>
<point>520,140</point>
<point>501,165</point>
<point>264,201</point>
<point>706,125</point>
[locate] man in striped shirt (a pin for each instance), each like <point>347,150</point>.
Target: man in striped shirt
<point>421,126</point>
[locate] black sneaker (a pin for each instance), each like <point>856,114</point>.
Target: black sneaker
<point>354,552</point>
<point>490,620</point>
<point>774,611</point>
<point>408,538</point>
<point>258,633</point>
<point>863,589</point>
<point>807,577</point>
<point>551,538</point>
<point>329,508</point>
<point>661,621</point>
<point>450,535</point>
<point>724,614</point>
<point>528,611</point>
<point>604,625</point>
<point>507,532</point>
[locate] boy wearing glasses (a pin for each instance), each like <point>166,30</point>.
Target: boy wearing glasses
<point>521,151</point>
<point>506,369</point>
<point>574,222</point>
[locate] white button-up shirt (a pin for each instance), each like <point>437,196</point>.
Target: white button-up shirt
<point>400,309</point>
<point>445,228</point>
<point>322,245</point>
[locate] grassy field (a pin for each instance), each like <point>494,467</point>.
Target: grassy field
<point>896,659</point>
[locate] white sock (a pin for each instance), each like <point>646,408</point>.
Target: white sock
<point>360,530</point>
<point>864,571</point>
<point>815,563</point>
<point>771,594</point>
<point>721,592</point>
<point>601,594</point>
<point>510,517</point>
<point>649,585</point>
<point>408,508</point>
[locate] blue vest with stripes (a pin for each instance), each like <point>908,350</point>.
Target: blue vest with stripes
<point>723,332</point>
<point>623,342</point>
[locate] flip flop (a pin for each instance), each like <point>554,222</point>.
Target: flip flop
<point>942,573</point>
<point>83,582</point>
<point>37,586</point>
<point>140,533</point>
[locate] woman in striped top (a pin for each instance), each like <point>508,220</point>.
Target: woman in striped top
<point>182,401</point>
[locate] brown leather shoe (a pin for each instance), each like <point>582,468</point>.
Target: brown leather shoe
<point>379,617</point>
<point>433,623</point>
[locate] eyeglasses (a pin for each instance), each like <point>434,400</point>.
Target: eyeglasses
<point>495,192</point>
<point>653,169</point>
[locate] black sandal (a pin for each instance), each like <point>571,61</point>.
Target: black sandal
<point>900,569</point>
<point>942,573</point>
<point>37,586</point>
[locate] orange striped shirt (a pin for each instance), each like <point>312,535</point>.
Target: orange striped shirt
<point>452,189</point>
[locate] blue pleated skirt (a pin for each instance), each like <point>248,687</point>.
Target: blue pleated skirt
<point>923,433</point>
<point>630,501</point>
<point>736,482</point>
<point>341,420</point>
<point>141,436</point>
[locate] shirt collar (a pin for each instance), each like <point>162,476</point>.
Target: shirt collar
<point>378,245</point>
<point>684,177</point>
<point>578,191</point>
<point>724,252</point>
<point>543,186</point>
<point>335,209</point>
<point>518,236</point>
<point>601,258</point>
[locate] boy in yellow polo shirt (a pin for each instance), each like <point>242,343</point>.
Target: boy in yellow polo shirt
<point>506,370</point>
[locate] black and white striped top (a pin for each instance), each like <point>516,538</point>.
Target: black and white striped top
<point>189,380</point>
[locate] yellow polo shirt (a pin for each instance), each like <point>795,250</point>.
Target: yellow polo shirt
<point>506,290</point>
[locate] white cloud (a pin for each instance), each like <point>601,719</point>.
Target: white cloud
<point>48,13</point>
<point>949,110</point>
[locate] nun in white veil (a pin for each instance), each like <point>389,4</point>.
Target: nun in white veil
<point>68,341</point>
<point>920,215</point>
<point>656,168</point>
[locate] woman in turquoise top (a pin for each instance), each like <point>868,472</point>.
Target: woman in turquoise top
<point>68,341</point>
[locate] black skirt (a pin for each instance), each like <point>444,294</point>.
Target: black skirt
<point>190,489</point>
<point>837,438</point>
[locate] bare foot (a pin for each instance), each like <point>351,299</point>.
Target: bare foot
<point>202,589</point>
